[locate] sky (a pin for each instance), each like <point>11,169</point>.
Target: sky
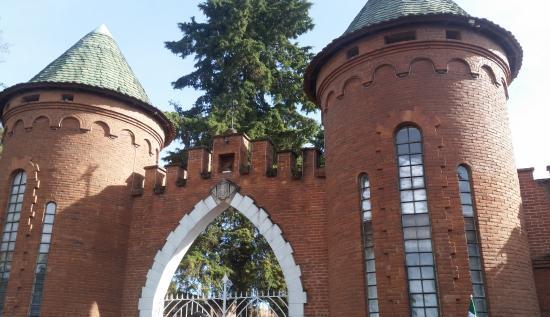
<point>38,31</point>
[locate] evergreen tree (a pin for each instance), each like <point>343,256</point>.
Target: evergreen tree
<point>250,69</point>
<point>233,246</point>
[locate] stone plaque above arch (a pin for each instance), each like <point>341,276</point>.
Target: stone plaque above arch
<point>224,190</point>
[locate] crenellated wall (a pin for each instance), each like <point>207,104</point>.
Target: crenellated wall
<point>293,198</point>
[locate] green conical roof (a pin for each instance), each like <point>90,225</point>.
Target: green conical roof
<point>377,11</point>
<point>96,61</point>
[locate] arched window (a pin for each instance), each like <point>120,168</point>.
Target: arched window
<point>42,261</point>
<point>474,248</point>
<point>370,262</point>
<point>9,234</point>
<point>419,255</point>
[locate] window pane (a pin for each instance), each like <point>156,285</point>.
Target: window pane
<point>428,286</point>
<point>422,220</point>
<point>479,291</point>
<point>407,208</point>
<point>423,233</point>
<point>372,292</point>
<point>409,220</point>
<point>421,207</point>
<point>47,228</point>
<point>414,135</point>
<point>465,198</point>
<point>414,273</point>
<point>402,136</point>
<point>415,148</point>
<point>373,306</point>
<point>417,170</point>
<point>411,246</point>
<point>413,259</point>
<point>407,195</point>
<point>420,194</point>
<point>403,149</point>
<point>404,160</point>
<point>426,259</point>
<point>405,171</point>
<point>418,182</point>
<point>371,266</point>
<point>415,287</point>
<point>430,300</point>
<point>463,174</point>
<point>371,279</point>
<point>406,183</point>
<point>416,159</point>
<point>417,300</point>
<point>464,186</point>
<point>366,205</point>
<point>425,245</point>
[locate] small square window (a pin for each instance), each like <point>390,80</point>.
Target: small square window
<point>67,97</point>
<point>454,35</point>
<point>226,163</point>
<point>400,37</point>
<point>352,52</point>
<point>31,98</point>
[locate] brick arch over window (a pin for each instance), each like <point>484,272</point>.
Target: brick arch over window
<point>178,242</point>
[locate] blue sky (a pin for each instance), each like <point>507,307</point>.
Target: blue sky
<point>38,31</point>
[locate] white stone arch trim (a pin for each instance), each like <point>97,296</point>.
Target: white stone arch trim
<point>191,226</point>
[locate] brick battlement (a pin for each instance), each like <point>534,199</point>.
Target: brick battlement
<point>233,156</point>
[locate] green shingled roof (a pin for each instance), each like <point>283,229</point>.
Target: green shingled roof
<point>377,11</point>
<point>97,61</point>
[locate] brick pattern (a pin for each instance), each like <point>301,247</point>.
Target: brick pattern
<point>96,158</point>
<point>536,208</point>
<point>82,160</point>
<point>295,203</point>
<point>453,91</point>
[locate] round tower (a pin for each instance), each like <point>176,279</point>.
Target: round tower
<point>421,178</point>
<point>80,134</point>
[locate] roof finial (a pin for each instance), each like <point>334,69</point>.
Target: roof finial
<point>102,29</point>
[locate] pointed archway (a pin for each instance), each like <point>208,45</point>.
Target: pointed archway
<point>178,242</point>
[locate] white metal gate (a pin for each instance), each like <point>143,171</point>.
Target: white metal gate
<point>269,304</point>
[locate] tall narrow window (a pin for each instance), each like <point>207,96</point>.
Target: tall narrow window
<point>419,255</point>
<point>42,261</point>
<point>9,235</point>
<point>370,267</point>
<point>474,249</point>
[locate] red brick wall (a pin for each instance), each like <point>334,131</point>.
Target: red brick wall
<point>83,166</point>
<point>105,239</point>
<point>297,205</point>
<point>536,208</point>
<point>452,91</point>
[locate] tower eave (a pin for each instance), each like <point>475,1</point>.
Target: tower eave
<point>490,29</point>
<point>159,117</point>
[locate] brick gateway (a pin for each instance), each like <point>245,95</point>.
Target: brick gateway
<point>419,205</point>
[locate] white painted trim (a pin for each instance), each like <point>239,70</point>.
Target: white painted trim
<point>191,226</point>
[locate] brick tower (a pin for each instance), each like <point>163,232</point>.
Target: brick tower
<point>413,97</point>
<point>75,134</point>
